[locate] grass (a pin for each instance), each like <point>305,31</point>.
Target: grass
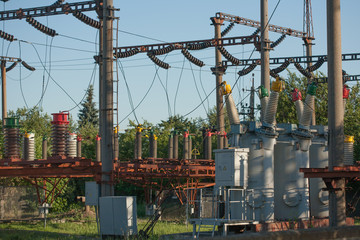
<point>75,227</point>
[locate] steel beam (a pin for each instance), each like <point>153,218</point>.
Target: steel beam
<point>257,24</point>
<point>46,11</point>
<point>299,59</point>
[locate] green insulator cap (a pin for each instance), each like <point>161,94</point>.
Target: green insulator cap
<point>263,92</point>
<point>44,138</point>
<point>12,122</point>
<point>312,89</point>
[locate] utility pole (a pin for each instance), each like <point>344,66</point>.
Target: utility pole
<point>337,213</point>
<point>265,51</point>
<point>106,96</point>
<point>3,78</point>
<point>219,72</point>
<point>308,28</point>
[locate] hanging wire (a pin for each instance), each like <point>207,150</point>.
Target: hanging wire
<point>178,85</point>
<point>197,89</point>
<point>37,53</point>
<point>202,86</point>
<point>166,93</point>
<point>128,92</point>
<point>21,89</point>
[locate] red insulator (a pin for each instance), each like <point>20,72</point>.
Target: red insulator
<point>296,95</point>
<point>60,118</point>
<point>346,91</point>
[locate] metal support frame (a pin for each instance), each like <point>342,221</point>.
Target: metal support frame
<point>45,11</point>
<point>257,24</point>
<point>299,59</point>
<point>241,40</point>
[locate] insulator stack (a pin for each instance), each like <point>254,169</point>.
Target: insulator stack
<point>7,36</point>
<point>199,46</point>
<point>230,104</point>
<point>176,144</point>
<point>227,29</point>
<point>281,68</point>
<point>158,62</point>
<point>162,51</point>
<point>349,150</point>
<point>98,148</point>
<point>186,145</point>
<point>271,107</point>
<point>297,99</point>
<point>11,66</point>
<point>27,66</point>
<point>255,32</point>
<point>85,19</point>
<point>302,70</point>
<point>29,146</point>
<point>54,5</point>
<point>42,28</point>
<point>278,41</point>
<point>171,147</point>
<point>247,70</point>
<point>12,138</point>
<point>71,141</point>
<point>316,66</point>
<point>309,102</point>
<point>153,144</point>
<point>228,56</point>
<point>60,126</point>
<point>273,74</point>
<point>126,54</point>
<point>191,58</point>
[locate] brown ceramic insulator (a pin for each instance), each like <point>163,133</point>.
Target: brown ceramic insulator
<point>59,134</point>
<point>12,143</point>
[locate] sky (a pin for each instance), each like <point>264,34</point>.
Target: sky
<point>65,65</point>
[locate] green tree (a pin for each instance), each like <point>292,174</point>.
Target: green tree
<point>88,113</point>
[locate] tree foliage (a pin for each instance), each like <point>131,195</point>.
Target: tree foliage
<point>88,113</point>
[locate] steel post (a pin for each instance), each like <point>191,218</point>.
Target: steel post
<point>176,145</point>
<point>171,147</point>
<point>220,122</point>
<point>337,213</point>
<point>44,148</point>
<point>265,51</point>
<point>107,111</point>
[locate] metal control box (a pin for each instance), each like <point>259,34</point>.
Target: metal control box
<point>92,193</point>
<point>231,167</point>
<point>118,216</point>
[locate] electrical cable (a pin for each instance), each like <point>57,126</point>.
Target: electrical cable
<point>75,38</point>
<point>166,93</point>
<point>50,75</point>
<point>197,89</point>
<point>21,89</point>
<point>202,86</point>
<point>142,36</point>
<point>147,92</point>
<point>60,47</point>
<point>178,85</point>
<point>128,92</point>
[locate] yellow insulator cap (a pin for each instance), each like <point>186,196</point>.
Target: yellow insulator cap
<point>155,137</point>
<point>278,85</point>
<point>349,139</point>
<point>116,129</point>
<point>225,88</point>
<point>27,135</point>
<point>139,128</point>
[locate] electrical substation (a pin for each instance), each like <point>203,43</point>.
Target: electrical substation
<point>265,176</point>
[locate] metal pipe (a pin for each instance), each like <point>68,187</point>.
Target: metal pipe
<point>190,147</point>
<point>186,145</point>
<point>98,148</point>
<point>337,213</point>
<point>3,78</point>
<point>171,146</point>
<point>44,148</point>
<point>153,144</point>
<point>176,145</point>
<point>138,143</point>
<point>116,144</point>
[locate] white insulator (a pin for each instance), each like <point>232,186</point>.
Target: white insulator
<point>29,147</point>
<point>264,102</point>
<point>232,110</point>
<point>71,145</point>
<point>348,153</point>
<point>299,108</point>
<point>270,113</point>
<point>307,113</point>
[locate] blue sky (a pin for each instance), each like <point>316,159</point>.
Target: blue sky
<point>67,59</point>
